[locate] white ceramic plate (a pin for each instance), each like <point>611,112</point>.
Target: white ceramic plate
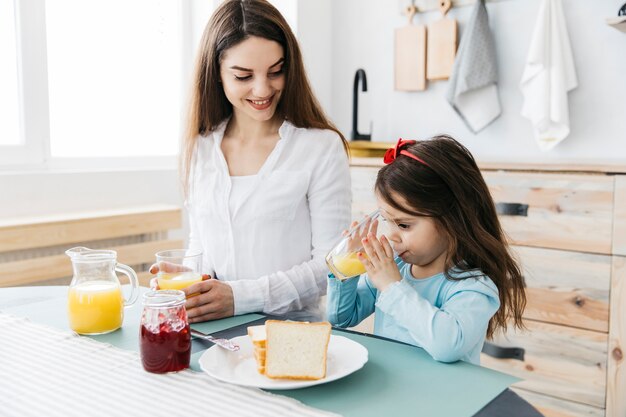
<point>344,357</point>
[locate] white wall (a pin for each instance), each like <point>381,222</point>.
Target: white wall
<point>314,33</point>
<point>362,37</point>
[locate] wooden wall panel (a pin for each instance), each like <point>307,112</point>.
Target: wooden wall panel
<point>565,211</point>
<point>616,381</point>
<point>554,407</point>
<point>565,287</point>
<point>562,362</point>
<point>619,217</point>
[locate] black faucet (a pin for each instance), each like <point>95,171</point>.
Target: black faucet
<point>359,76</point>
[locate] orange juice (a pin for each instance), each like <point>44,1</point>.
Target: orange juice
<point>96,307</point>
<point>178,280</point>
<point>348,264</point>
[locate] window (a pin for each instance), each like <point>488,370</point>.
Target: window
<point>9,99</point>
<point>100,83</point>
<point>113,77</point>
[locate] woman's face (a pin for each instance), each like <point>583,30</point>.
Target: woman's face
<point>252,77</point>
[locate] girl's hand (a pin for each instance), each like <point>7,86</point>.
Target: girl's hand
<point>380,267</point>
<point>212,299</point>
<point>354,243</point>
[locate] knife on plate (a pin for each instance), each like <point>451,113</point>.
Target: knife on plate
<point>224,343</point>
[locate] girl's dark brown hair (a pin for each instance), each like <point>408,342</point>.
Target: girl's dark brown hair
<point>233,22</point>
<point>449,187</point>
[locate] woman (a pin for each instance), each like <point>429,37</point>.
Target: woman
<point>265,172</point>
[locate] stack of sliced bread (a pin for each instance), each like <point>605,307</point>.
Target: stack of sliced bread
<point>291,349</point>
<point>259,342</point>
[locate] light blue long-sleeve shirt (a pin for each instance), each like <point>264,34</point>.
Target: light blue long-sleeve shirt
<point>447,318</point>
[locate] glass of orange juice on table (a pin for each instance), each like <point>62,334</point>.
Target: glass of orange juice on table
<point>178,268</point>
<point>95,300</point>
<point>343,259</point>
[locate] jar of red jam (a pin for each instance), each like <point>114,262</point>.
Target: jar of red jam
<point>165,340</point>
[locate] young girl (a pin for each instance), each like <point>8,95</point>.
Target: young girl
<point>266,174</point>
<point>443,278</point>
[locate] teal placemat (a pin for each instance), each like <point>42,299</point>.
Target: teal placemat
<point>410,379</point>
<point>193,363</point>
<point>223,324</point>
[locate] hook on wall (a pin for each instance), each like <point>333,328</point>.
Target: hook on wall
<point>411,11</point>
<point>445,6</point>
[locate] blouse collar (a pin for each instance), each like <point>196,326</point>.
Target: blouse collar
<point>285,131</point>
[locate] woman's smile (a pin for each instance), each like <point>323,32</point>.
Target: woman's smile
<point>261,104</point>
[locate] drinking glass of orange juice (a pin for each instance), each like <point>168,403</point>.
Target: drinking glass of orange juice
<point>178,268</point>
<point>343,259</point>
<point>95,300</point>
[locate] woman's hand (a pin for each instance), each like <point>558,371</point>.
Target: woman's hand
<point>209,300</point>
<point>379,263</point>
<point>167,267</point>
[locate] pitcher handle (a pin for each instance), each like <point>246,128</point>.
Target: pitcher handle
<point>134,283</point>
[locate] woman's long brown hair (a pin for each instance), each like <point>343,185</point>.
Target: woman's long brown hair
<point>450,188</point>
<point>233,22</point>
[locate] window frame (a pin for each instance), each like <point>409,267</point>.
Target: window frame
<point>32,86</point>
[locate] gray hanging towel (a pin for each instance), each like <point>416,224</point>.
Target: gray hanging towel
<point>472,89</point>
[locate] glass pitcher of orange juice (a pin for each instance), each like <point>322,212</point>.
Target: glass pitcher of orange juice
<point>95,300</point>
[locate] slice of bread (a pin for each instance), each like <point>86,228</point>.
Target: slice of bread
<point>259,339</point>
<point>296,350</point>
<point>259,357</point>
<point>258,335</point>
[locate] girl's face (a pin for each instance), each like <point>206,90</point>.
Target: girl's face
<point>418,240</point>
<point>252,77</point>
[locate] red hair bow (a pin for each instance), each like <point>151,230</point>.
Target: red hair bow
<point>392,153</point>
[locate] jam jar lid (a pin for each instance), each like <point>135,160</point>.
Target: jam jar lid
<point>163,298</point>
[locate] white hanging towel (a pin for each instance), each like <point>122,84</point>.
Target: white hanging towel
<point>548,76</point>
<point>472,89</point>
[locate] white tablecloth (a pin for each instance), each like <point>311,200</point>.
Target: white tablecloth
<point>48,372</point>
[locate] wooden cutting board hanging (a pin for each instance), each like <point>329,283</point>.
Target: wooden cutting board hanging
<point>410,55</point>
<point>442,36</point>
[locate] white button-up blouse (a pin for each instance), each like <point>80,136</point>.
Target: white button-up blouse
<point>269,246</point>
